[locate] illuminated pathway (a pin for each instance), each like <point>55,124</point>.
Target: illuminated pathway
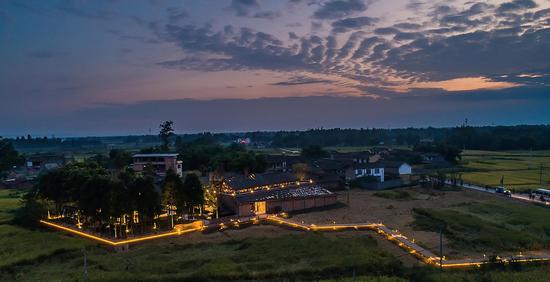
<point>402,241</point>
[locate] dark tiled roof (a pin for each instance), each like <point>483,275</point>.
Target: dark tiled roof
<point>368,165</point>
<point>240,181</point>
<point>280,194</point>
<point>392,164</point>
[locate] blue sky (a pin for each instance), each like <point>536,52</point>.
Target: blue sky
<point>104,67</point>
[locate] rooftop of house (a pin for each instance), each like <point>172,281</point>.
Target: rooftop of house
<point>241,181</point>
<point>298,192</point>
<point>155,155</point>
<point>393,164</point>
<point>328,164</point>
<point>42,158</point>
<point>368,165</point>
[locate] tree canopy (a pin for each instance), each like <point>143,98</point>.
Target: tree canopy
<point>9,157</point>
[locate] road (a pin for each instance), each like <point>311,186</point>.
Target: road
<point>521,197</point>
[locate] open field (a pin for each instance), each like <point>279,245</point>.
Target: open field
<point>490,226</point>
<point>271,252</point>
<point>478,222</point>
<point>19,245</point>
<point>521,169</point>
<point>252,253</point>
<point>306,255</point>
<point>9,202</point>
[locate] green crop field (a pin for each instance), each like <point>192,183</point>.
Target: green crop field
<point>521,170</point>
<point>491,226</point>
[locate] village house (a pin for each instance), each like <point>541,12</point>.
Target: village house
<point>249,194</point>
<point>398,170</point>
<point>161,163</point>
<point>363,170</point>
<point>39,163</point>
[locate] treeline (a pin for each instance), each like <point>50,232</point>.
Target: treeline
<point>206,155</point>
<point>28,141</point>
<point>9,157</point>
<point>522,137</point>
<point>526,137</point>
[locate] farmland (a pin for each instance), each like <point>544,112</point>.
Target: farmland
<point>251,253</point>
<point>521,169</point>
<point>270,252</point>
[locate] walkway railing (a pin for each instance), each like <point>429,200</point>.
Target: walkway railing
<point>402,241</point>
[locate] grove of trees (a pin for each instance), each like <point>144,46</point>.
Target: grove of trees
<point>206,155</point>
<point>9,157</point>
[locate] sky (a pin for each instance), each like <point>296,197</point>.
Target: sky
<point>117,67</point>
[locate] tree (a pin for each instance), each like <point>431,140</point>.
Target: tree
<point>9,157</point>
<point>314,151</point>
<point>31,210</point>
<point>144,198</point>
<point>166,131</point>
<point>173,193</point>
<point>119,159</point>
<point>302,170</point>
<point>194,188</point>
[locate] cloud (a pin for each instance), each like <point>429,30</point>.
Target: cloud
<point>479,53</point>
<point>336,9</point>
<point>270,15</point>
<point>409,26</point>
<point>242,8</point>
<point>470,42</point>
<point>348,24</point>
<point>415,5</point>
<point>236,50</point>
<point>176,15</point>
<point>301,80</point>
<point>516,5</point>
<point>386,30</point>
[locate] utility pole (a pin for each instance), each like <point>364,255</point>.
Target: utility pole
<point>540,174</point>
<point>85,266</point>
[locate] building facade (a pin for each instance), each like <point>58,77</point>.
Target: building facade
<point>161,163</point>
<point>246,195</point>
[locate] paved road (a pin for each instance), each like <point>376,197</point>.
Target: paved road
<point>521,197</point>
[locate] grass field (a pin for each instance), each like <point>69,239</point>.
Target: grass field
<point>491,226</point>
<point>9,202</point>
<point>300,255</point>
<point>521,170</point>
<point>34,255</point>
<point>274,253</point>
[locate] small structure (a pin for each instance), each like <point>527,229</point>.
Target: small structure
<point>250,194</point>
<point>39,163</point>
<point>161,163</point>
<point>283,200</point>
<point>362,170</point>
<point>396,169</point>
<point>431,158</point>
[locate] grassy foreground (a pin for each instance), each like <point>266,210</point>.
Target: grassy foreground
<point>521,170</point>
<point>490,226</point>
<point>37,255</point>
<point>303,255</point>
